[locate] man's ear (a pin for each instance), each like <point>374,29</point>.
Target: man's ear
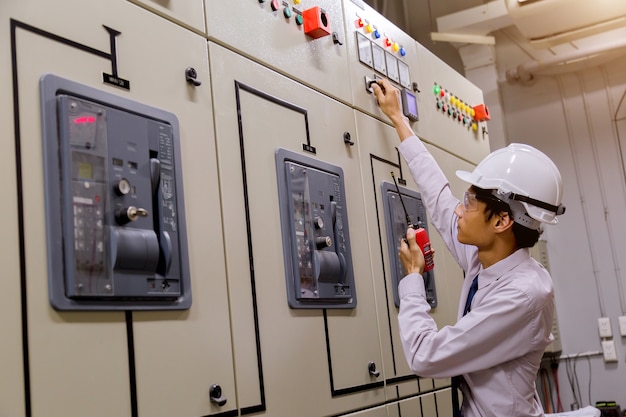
<point>502,222</point>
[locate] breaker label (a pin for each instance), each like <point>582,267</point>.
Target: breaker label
<point>116,81</point>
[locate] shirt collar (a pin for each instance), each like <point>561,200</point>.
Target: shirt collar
<point>497,270</point>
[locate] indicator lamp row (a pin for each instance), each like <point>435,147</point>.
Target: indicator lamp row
<point>369,28</point>
<point>454,101</point>
<point>456,115</point>
<point>287,11</point>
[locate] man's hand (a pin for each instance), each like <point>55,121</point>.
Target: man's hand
<point>388,98</point>
<point>411,255</point>
<point>389,101</point>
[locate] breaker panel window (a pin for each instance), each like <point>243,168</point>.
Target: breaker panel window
<point>115,223</point>
<point>316,239</point>
<point>396,225</point>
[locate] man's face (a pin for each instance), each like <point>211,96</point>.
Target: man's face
<point>473,228</point>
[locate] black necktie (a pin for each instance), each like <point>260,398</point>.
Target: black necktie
<point>470,296</point>
<point>456,380</point>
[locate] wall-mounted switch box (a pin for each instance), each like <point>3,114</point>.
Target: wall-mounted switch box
<point>604,327</point>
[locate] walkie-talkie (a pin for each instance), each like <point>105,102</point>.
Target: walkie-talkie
<point>421,235</point>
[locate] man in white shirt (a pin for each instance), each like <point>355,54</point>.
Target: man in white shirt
<point>504,321</point>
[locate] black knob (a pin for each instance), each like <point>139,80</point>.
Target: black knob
<point>323,242</point>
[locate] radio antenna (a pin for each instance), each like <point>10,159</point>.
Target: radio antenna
<point>406,214</point>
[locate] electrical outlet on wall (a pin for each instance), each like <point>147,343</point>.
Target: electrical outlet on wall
<point>604,327</point>
<point>622,325</point>
<point>608,350</point>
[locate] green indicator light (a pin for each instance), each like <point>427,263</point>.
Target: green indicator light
<point>299,20</point>
<point>436,89</point>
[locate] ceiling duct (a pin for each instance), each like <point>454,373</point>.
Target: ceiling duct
<point>547,23</point>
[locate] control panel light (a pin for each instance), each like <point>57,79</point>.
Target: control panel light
<point>402,51</point>
<point>388,42</point>
<point>359,23</point>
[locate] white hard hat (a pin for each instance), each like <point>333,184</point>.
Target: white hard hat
<point>523,177</point>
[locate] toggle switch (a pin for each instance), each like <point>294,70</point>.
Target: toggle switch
<point>368,85</point>
<point>130,214</point>
<point>369,81</point>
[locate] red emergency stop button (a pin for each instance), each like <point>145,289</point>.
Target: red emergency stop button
<point>316,22</point>
<point>481,113</point>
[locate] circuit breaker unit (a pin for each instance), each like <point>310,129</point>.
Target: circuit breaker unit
<point>316,239</point>
<point>396,224</point>
<point>116,233</point>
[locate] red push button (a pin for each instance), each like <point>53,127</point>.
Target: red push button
<point>481,113</point>
<point>316,22</point>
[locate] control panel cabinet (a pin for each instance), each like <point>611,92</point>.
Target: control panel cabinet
<point>316,242</point>
<point>396,225</point>
<point>114,204</point>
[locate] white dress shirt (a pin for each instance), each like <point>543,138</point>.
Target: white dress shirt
<point>498,345</point>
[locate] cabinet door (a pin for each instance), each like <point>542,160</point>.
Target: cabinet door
<point>117,363</point>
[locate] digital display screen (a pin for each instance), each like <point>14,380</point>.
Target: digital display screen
<point>85,170</point>
<point>409,105</point>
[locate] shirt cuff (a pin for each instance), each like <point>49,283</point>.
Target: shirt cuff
<point>410,284</point>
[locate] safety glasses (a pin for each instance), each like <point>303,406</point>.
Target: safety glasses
<point>470,203</point>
